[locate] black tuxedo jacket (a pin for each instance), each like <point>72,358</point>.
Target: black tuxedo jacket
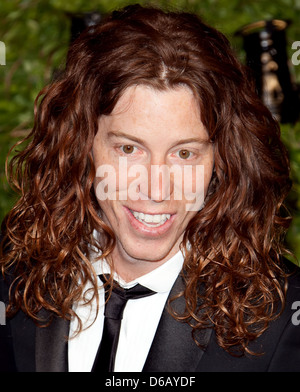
<point>27,348</point>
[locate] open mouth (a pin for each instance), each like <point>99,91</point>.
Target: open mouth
<point>150,220</point>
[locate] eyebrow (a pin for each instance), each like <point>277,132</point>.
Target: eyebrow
<point>120,134</point>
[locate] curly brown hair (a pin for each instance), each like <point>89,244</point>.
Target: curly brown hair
<point>233,246</point>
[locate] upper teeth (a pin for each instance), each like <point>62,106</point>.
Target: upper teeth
<point>147,218</point>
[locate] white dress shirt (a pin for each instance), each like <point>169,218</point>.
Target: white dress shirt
<point>139,323</point>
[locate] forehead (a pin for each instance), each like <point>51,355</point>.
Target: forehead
<point>144,96</point>
<point>143,108</point>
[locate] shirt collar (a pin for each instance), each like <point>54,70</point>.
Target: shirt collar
<point>160,280</point>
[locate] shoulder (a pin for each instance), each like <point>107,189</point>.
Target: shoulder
<point>4,280</point>
<point>293,280</point>
<point>286,340</point>
<point>292,300</point>
<point>292,296</point>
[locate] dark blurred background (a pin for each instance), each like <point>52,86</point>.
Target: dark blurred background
<point>36,35</point>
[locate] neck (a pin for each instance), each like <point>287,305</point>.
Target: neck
<point>129,268</point>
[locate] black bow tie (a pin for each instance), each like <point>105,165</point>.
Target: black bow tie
<point>114,308</point>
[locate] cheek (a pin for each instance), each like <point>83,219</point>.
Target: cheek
<point>208,172</point>
<point>109,213</point>
<point>196,182</point>
<point>105,183</point>
<point>114,182</point>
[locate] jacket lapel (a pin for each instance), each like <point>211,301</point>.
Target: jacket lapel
<point>173,348</point>
<point>51,353</point>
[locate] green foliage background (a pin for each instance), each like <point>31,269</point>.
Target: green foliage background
<point>36,35</point>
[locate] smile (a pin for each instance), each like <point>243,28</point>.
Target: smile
<point>154,220</point>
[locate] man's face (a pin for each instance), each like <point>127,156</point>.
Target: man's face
<point>150,129</point>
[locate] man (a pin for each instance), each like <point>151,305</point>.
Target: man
<point>153,167</point>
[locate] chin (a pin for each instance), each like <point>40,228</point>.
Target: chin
<point>150,253</point>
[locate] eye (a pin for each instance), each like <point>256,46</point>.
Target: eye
<point>184,154</point>
<point>128,149</point>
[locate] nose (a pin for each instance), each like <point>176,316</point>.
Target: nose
<point>160,184</point>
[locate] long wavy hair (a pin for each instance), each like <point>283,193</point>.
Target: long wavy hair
<point>234,278</point>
